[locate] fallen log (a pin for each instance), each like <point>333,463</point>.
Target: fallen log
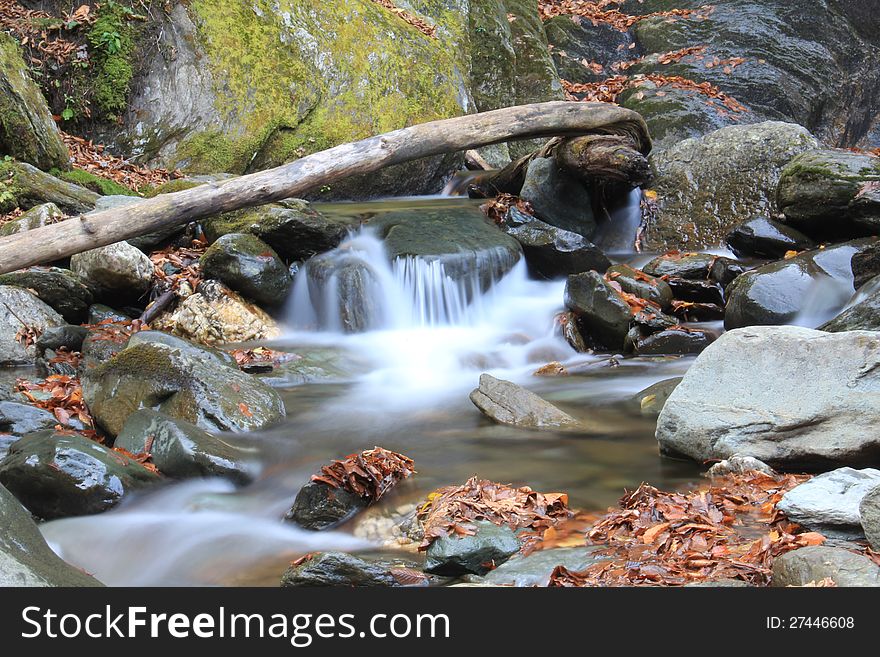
<point>560,118</point>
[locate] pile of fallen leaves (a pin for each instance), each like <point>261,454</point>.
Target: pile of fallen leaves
<point>42,31</point>
<point>605,12</point>
<point>93,158</point>
<point>452,509</point>
<point>727,530</point>
<point>115,330</point>
<point>498,207</point>
<point>250,359</point>
<point>175,266</point>
<point>422,26</point>
<point>60,395</point>
<point>369,474</point>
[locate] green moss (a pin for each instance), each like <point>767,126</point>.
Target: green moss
<point>9,188</point>
<point>172,186</point>
<point>95,183</point>
<point>377,73</point>
<point>112,44</point>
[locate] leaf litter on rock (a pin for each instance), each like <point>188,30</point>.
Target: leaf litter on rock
<point>369,474</point>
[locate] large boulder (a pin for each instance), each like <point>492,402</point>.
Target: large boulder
<point>827,193</point>
<point>25,557</point>
<point>811,565</point>
<point>558,197</point>
<point>23,318</point>
<point>27,131</point>
<point>829,502</point>
<point>58,474</point>
<point>762,237</point>
<point>811,287</point>
<point>248,265</point>
<point>738,398</point>
<point>182,380</point>
<point>869,515</point>
<point>599,307</point>
<point>708,185</point>
<point>60,289</point>
<point>507,403</point>
<point>119,271</point>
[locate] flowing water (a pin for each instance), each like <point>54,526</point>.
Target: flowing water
<point>407,389</point>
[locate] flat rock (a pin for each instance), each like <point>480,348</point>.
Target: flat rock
<point>829,502</point>
<point>507,403</point>
<point>813,564</point>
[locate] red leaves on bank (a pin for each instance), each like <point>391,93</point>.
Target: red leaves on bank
<point>369,474</point>
<point>60,395</point>
<point>606,12</point>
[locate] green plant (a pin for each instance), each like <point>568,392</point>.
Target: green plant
<point>69,111</point>
<point>110,41</point>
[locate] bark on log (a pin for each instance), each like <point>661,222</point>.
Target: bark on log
<point>90,231</point>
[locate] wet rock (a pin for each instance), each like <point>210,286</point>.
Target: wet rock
<point>696,266</point>
<point>815,281</point>
<point>829,502</point>
<point>355,307</point>
<point>813,564</point>
<point>37,217</point>
<point>863,315</point>
<point>698,312</point>
<point>185,382</point>
<point>60,289</point>
<point>725,270</point>
<point>25,558</point>
<point>101,343</point>
<point>535,568</point>
<point>337,569</point>
<point>766,238</point>
<point>706,186</point>
<point>27,131</point>
<point>249,266</point>
<point>754,409</point>
<point>217,315</point>
<point>674,341</point>
<point>292,228</point>
<point>652,398</point>
<point>599,307</point>
<point>454,555</point>
<point>869,514</point>
<point>865,264</point>
<point>118,271</point>
<point>573,43</point>
<point>685,289</point>
<point>99,313</point>
<point>550,251</point>
<point>567,326</point>
<point>56,475</point>
<point>320,506</point>
<point>818,189</point>
<point>558,198</point>
<point>21,311</point>
<point>68,336</point>
<point>507,403</point>
<point>642,285</point>
<point>313,364</point>
<point>181,450</point>
<point>20,419</point>
<point>737,465</point>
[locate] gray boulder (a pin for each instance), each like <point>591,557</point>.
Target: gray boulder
<point>37,217</point>
<point>763,237</point>
<point>21,311</point>
<point>535,569</point>
<point>459,555</point>
<point>339,569</point>
<point>60,289</point>
<point>601,310</point>
<point>559,198</point>
<point>119,270</point>
<point>738,398</point>
<point>869,514</point>
<point>249,266</point>
<point>25,558</point>
<point>813,564</point>
<point>507,403</point>
<point>829,502</point>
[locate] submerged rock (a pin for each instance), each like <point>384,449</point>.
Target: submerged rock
<point>60,289</point>
<point>22,313</point>
<point>829,502</point>
<point>454,555</point>
<point>249,266</point>
<point>339,569</point>
<point>753,408</point>
<point>182,380</point>
<point>652,398</point>
<point>766,238</point>
<point>25,557</point>
<point>558,197</point>
<point>869,516</point>
<point>320,506</point>
<point>57,474</point>
<point>507,403</point>
<point>550,251</point>
<point>813,564</point>
<point>180,449</point>
<point>119,271</point>
<point>600,308</point>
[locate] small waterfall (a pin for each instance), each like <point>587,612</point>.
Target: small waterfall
<point>617,234</point>
<point>356,288</point>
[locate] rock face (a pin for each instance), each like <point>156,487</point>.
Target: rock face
<point>825,193</point>
<point>454,555</point>
<point>60,289</point>
<point>558,198</point>
<point>599,307</point>
<point>765,238</point>
<point>117,270</point>
<point>869,513</point>
<point>56,475</point>
<point>292,228</point>
<point>753,409</point>
<point>25,558</point>
<point>829,502</point>
<point>708,185</point>
<point>507,403</point>
<point>22,310</point>
<point>337,569</point>
<point>183,381</point>
<point>816,283</point>
<point>863,315</point>
<point>813,564</point>
<point>319,506</point>
<point>249,266</point>
<point>180,449</point>
<point>37,217</point>
<point>550,251</point>
<point>27,131</point>
<point>217,315</point>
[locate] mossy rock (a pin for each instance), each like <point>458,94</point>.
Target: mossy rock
<point>99,185</point>
<point>27,131</point>
<point>37,217</point>
<point>24,186</point>
<point>249,266</point>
